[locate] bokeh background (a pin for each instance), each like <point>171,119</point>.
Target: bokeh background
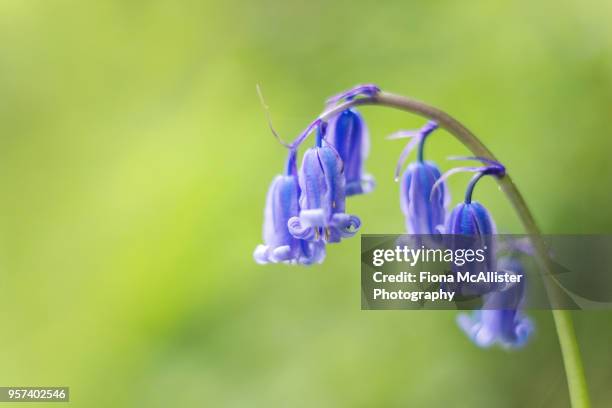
<point>135,159</point>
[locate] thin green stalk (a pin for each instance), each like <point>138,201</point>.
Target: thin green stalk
<point>563,320</point>
<point>579,393</point>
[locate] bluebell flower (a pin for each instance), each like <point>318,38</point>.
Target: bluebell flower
<point>348,134</point>
<point>471,227</point>
<point>282,204</point>
<point>424,209</point>
<point>501,320</point>
<point>322,198</point>
<point>471,219</point>
<point>424,212</point>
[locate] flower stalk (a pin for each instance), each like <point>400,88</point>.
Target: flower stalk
<point>563,320</point>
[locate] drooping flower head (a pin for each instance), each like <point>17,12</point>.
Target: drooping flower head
<point>501,320</point>
<point>322,196</point>
<point>471,217</point>
<point>282,204</point>
<point>348,134</point>
<point>470,227</point>
<point>424,209</point>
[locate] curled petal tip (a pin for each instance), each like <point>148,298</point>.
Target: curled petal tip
<point>282,254</point>
<point>298,230</point>
<point>347,225</point>
<point>261,254</point>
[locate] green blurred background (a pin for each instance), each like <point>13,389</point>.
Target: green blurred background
<point>135,159</point>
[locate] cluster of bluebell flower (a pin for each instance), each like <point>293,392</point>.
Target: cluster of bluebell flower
<point>424,200</point>
<point>305,210</point>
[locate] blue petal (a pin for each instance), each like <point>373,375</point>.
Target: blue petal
<point>312,181</point>
<point>281,204</point>
<point>299,229</point>
<point>262,254</point>
<point>470,219</point>
<point>348,134</point>
<point>501,320</point>
<point>322,199</point>
<point>279,243</point>
<point>311,252</point>
<point>508,328</point>
<point>423,209</point>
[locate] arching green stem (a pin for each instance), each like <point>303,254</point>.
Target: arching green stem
<point>563,320</point>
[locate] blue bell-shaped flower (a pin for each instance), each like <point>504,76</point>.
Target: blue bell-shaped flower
<point>322,199</point>
<point>500,321</point>
<point>424,208</point>
<point>282,204</point>
<point>471,227</point>
<point>424,211</point>
<point>348,135</point>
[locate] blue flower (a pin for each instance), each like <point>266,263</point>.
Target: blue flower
<point>424,208</point>
<point>470,227</point>
<point>501,320</point>
<point>348,134</point>
<point>424,212</point>
<point>282,204</point>
<point>470,218</point>
<point>322,199</point>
